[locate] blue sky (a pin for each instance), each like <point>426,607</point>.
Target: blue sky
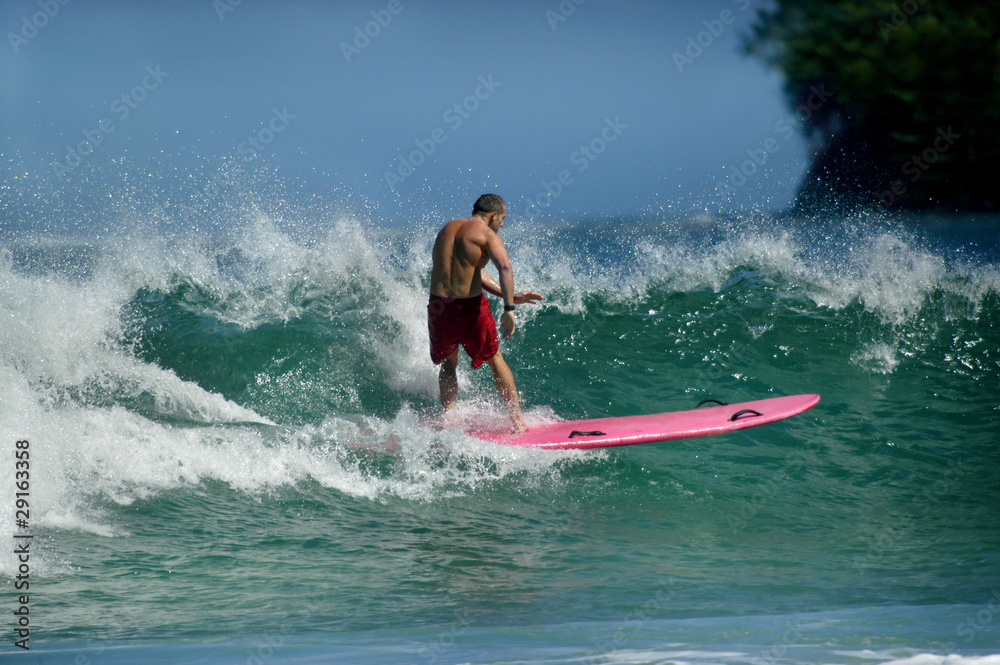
<point>567,110</point>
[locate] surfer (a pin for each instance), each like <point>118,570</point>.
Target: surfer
<point>458,312</point>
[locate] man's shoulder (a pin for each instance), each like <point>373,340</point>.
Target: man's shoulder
<point>471,230</point>
<point>454,227</point>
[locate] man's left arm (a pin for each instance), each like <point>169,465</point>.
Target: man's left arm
<point>491,286</point>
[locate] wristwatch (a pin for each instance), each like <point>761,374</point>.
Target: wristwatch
<point>508,308</point>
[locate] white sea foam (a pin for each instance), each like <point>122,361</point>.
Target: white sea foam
<point>891,658</point>
<point>64,367</point>
<point>80,454</point>
<point>64,372</point>
<point>876,357</point>
<point>887,272</point>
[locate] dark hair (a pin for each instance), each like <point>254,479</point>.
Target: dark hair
<point>488,203</point>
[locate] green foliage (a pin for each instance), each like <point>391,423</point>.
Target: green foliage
<point>902,72</point>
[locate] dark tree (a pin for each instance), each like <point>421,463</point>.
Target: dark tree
<point>904,95</point>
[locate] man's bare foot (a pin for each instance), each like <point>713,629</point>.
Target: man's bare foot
<point>450,419</point>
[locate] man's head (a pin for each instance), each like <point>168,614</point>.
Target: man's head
<point>492,209</point>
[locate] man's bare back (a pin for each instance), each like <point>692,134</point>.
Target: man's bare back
<point>460,254</point>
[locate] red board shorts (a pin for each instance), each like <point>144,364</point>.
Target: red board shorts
<point>465,321</point>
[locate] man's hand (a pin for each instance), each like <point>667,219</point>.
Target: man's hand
<point>526,297</point>
<point>508,324</point>
<point>521,298</point>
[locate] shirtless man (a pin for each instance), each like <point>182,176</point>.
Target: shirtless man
<point>458,312</point>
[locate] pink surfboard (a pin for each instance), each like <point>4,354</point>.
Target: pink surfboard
<point>633,430</point>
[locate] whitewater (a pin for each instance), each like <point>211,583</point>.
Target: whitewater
<point>236,452</point>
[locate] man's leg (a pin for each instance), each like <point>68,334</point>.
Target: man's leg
<point>448,381</point>
<point>504,380</point>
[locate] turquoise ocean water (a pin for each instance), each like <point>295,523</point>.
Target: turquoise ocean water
<point>235,454</point>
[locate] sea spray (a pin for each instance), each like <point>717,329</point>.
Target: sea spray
<point>245,413</point>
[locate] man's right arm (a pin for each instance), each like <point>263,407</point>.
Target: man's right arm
<point>505,272</point>
<point>490,285</point>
